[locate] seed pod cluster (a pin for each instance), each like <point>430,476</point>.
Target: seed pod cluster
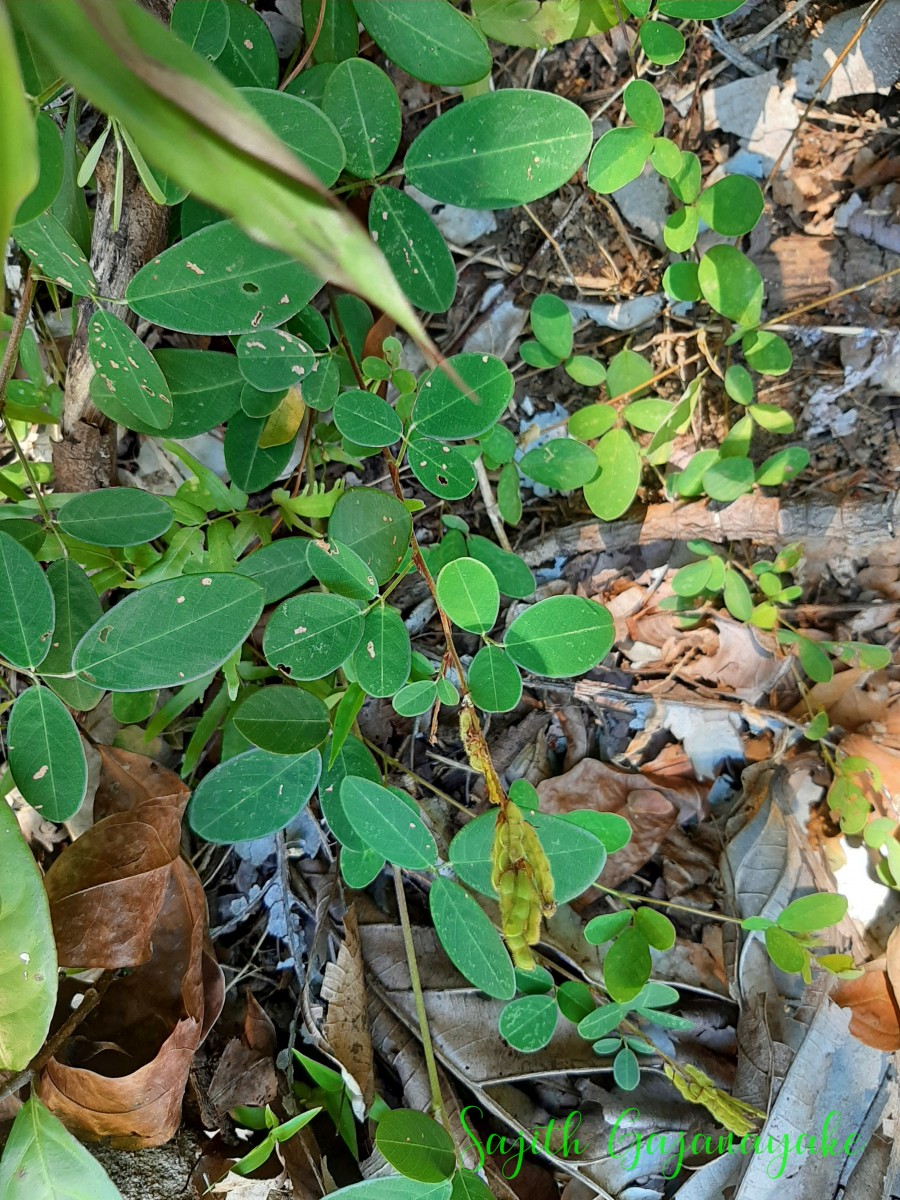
<point>477,752</point>
<point>698,1088</point>
<point>521,876</point>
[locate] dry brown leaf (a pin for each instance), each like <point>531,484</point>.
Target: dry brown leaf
<point>875,1018</point>
<point>122,1078</point>
<point>852,698</point>
<point>347,1026</point>
<point>743,662</point>
<point>106,889</point>
<point>649,805</point>
<point>246,1072</point>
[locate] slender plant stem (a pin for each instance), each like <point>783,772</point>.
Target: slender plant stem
<point>92,998</point>
<point>437,1099</point>
<point>695,912</point>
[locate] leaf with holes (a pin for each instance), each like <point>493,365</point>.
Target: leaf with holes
<point>382,658</point>
<point>430,40</point>
<point>467,591</point>
<point>494,680</point>
<point>253,795</point>
<point>340,569</point>
<point>58,256</point>
<point>283,720</point>
<point>366,420</point>
<point>274,360</point>
<point>169,633</point>
<point>115,517</point>
<point>386,824</point>
<point>362,103</point>
<point>46,757</point>
<point>218,281</point>
<point>414,248</point>
<point>26,603</point>
<point>442,410</point>
<point>444,471</point>
<point>560,637</point>
<point>128,372</point>
<point>310,635</point>
<point>376,526</point>
<point>472,943</point>
<point>528,1023</point>
<point>500,150</point>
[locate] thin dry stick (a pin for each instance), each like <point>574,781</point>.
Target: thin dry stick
<point>90,1000</point>
<point>307,53</point>
<point>490,504</point>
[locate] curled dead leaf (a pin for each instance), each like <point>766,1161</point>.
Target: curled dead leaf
<point>246,1072</point>
<point>122,1078</point>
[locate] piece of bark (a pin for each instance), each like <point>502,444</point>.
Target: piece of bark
<point>862,528</point>
<point>85,457</point>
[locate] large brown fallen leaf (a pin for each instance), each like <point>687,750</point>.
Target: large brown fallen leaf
<point>123,1077</point>
<point>107,888</point>
<point>651,806</point>
<point>873,999</point>
<point>346,1025</point>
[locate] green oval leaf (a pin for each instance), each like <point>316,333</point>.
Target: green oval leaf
<point>680,282</point>
<point>767,352</point>
<point>203,27</point>
<point>414,248</point>
<point>218,281</point>
<point>681,229</point>
<point>528,1023</point>
<point>360,867</point>
<point>514,577</point>
<point>551,323</point>
<point>809,914</point>
<point>472,943</point>
<point>169,633</point>
<point>609,828</point>
<point>42,1161</point>
<point>46,757</point>
<point>115,517</point>
<point>499,150</point>
<point>27,954</point>
<point>728,478</point>
<point>601,1021</point>
<point>576,857</point>
<point>626,967</point>
<point>643,105</point>
<point>561,463</point>
<point>279,569</point>
<point>362,102</point>
<point>783,466</point>
<point>731,284</point>
<point>468,593</point>
<point>612,492</point>
<point>560,637</point>
<point>386,824</point>
<point>416,1145</point>
<point>252,795</point>
<point>785,952</point>
<point>606,927</point>
<point>77,608</point>
<point>575,1000</point>
<point>304,127</point>
<point>351,759</point>
<point>661,42</point>
<point>395,1187</point>
<point>341,570</point>
<point>732,206</point>
<point>50,155</point>
<point>382,658</point>
<point>430,40</point>
<point>251,465</point>
<point>57,254</point>
<point>26,603</point>
<point>310,635</point>
<point>656,928</point>
<point>618,158</point>
<point>367,420</point>
<point>205,388</point>
<point>416,698</point>
<point>376,526</point>
<point>443,411</point>
<point>626,1069</point>
<point>494,680</point>
<point>283,720</point>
